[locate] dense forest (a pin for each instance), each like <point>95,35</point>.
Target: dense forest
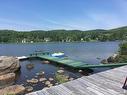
<point>11,36</point>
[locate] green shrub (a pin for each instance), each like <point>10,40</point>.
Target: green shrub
<point>123,48</point>
<point>61,78</point>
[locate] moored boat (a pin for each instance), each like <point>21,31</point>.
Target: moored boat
<point>58,54</point>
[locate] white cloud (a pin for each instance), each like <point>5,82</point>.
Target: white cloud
<point>60,24</point>
<point>18,25</point>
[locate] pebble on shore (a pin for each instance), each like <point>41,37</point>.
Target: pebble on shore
<point>80,71</point>
<point>41,73</point>
<point>42,79</point>
<point>29,88</point>
<point>70,79</point>
<point>45,62</point>
<point>50,85</point>
<point>47,82</point>
<point>30,66</point>
<point>33,80</point>
<point>60,71</point>
<point>51,79</point>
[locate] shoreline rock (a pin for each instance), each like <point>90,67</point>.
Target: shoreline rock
<point>104,61</point>
<point>46,62</point>
<point>47,83</point>
<point>60,71</point>
<point>33,81</point>
<point>41,73</point>
<point>111,59</point>
<point>42,79</point>
<point>30,66</point>
<point>7,79</point>
<point>9,64</point>
<point>29,88</point>
<point>51,79</point>
<point>12,90</point>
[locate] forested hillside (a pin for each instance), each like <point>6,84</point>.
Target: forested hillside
<point>11,36</point>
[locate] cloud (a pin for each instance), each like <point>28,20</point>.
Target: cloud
<point>46,24</point>
<point>17,25</point>
<point>59,24</point>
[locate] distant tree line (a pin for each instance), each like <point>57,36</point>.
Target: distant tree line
<point>11,36</point>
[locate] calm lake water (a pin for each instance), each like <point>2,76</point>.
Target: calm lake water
<point>88,52</point>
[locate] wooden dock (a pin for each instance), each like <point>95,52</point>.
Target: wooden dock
<point>109,82</point>
<point>74,63</point>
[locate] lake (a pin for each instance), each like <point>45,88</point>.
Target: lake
<point>88,52</point>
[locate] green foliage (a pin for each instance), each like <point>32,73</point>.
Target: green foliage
<point>122,57</point>
<point>60,78</point>
<point>10,36</point>
<point>123,48</point>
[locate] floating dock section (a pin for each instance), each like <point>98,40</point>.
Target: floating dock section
<point>72,63</point>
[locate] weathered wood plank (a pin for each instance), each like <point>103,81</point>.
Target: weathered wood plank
<point>117,78</point>
<point>63,90</point>
<point>43,92</point>
<point>78,88</point>
<point>108,85</point>
<point>93,86</point>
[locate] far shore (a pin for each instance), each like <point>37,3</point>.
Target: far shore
<point>57,42</point>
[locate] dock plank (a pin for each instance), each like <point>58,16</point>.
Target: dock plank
<point>105,85</point>
<point>44,92</point>
<point>78,88</point>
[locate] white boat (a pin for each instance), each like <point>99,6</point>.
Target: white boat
<point>58,54</point>
<point>22,57</point>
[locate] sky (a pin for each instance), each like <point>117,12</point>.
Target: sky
<point>62,14</point>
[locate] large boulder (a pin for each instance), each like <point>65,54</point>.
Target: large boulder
<point>12,90</point>
<point>7,79</point>
<point>8,64</point>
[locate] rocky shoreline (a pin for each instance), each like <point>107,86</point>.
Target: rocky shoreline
<point>112,59</point>
<point>116,59</point>
<point>8,67</point>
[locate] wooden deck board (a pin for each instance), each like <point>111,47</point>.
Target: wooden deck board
<point>105,85</point>
<point>78,88</point>
<point>44,92</point>
<point>91,85</point>
<point>60,90</point>
<point>109,82</point>
<point>115,76</point>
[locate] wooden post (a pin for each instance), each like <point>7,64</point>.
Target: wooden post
<point>125,86</point>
